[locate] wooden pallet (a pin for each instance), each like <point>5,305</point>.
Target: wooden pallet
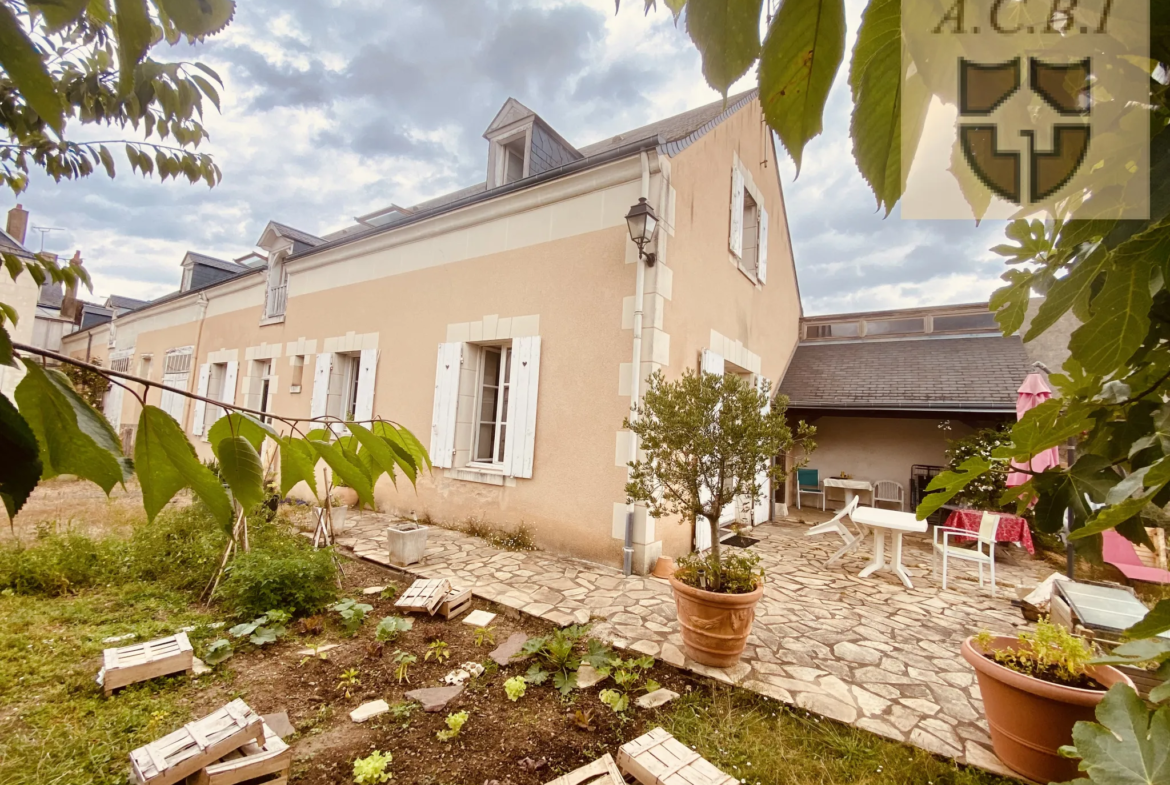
<point>143,661</point>
<point>424,595</point>
<point>196,745</point>
<point>657,758</point>
<point>457,601</point>
<point>249,763</point>
<point>602,771</point>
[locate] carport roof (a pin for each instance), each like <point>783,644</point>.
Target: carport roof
<point>965,374</point>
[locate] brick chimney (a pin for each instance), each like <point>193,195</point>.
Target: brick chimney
<point>18,223</point>
<point>70,306</point>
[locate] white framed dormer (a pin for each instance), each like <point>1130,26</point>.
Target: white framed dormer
<point>747,240</point>
<point>521,144</point>
<point>276,278</point>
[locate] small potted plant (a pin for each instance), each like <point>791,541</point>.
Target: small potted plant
<point>707,442</point>
<point>1035,687</point>
<point>407,542</point>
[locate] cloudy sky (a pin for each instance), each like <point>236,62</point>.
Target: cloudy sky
<point>335,108</point>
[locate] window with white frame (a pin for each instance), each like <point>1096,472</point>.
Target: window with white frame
<point>217,381</point>
<point>176,374</point>
<point>491,408</point>
<point>485,406</point>
<point>748,238</point>
<point>343,385</point>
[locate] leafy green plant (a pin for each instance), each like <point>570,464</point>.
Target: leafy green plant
<point>281,570</point>
<point>558,652</point>
<point>389,593</point>
<point>737,572</point>
<point>439,650</point>
<point>391,627</point>
<point>583,719</point>
<point>263,629</point>
<point>217,651</point>
<point>1152,654</point>
<point>455,723</point>
<point>404,660</point>
<point>517,539</point>
<point>349,678</point>
<point>515,688</point>
<point>372,769</point>
<point>536,675</point>
<point>1051,653</point>
<point>708,439</point>
<point>485,636</point>
<point>402,710</point>
<point>352,613</point>
<point>617,700</point>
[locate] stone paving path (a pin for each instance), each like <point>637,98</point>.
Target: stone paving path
<point>869,652</point>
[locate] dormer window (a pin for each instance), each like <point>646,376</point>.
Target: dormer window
<point>513,155</point>
<point>522,145</point>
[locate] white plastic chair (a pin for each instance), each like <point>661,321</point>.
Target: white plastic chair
<point>988,527</point>
<point>889,491</point>
<point>837,524</point>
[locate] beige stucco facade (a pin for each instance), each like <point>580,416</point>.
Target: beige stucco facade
<point>551,262</point>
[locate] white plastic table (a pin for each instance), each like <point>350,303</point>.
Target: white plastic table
<point>879,521</point>
<point>851,487</point>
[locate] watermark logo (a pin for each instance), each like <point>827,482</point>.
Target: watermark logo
<point>1025,107</point>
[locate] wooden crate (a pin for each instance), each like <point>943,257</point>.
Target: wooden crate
<point>1155,558</point>
<point>602,771</point>
<point>457,601</point>
<point>249,763</point>
<point>196,745</point>
<point>657,758</point>
<point>424,595</point>
<point>143,661</point>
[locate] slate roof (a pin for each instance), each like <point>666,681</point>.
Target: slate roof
<point>945,374</point>
<point>218,264</point>
<point>297,235</point>
<point>118,301</point>
<point>8,244</point>
<point>51,296</point>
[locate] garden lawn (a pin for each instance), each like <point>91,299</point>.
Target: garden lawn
<point>56,728</point>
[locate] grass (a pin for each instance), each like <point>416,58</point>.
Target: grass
<point>55,725</point>
<point>765,743</point>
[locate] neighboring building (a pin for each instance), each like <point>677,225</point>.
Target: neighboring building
<point>20,294</point>
<point>496,322</point>
<point>889,390</point>
<point>120,305</point>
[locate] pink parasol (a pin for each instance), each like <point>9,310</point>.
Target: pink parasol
<point>1033,392</point>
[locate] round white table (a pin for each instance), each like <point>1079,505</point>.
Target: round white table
<point>878,521</point>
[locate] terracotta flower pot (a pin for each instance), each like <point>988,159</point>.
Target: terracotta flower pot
<point>1031,719</point>
<point>663,568</point>
<point>715,626</point>
<point>346,496</point>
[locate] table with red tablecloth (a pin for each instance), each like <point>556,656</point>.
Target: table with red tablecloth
<point>1012,528</point>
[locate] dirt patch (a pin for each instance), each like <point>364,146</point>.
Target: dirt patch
<point>523,743</point>
<point>80,505</point>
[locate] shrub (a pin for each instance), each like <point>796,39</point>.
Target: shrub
<point>281,571</point>
<point>984,492</point>
<point>181,549</point>
<point>62,562</point>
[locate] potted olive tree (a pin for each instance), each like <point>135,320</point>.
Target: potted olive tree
<point>1035,688</point>
<point>705,441</point>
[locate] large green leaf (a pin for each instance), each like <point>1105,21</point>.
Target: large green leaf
<point>1043,427</point>
<point>199,18</point>
<point>236,424</point>
<point>352,475</point>
<point>1067,291</point>
<point>133,28</point>
<point>1157,621</point>
<point>6,357</point>
<point>239,465</point>
<point>380,453</point>
<point>59,13</point>
<point>406,453</point>
<point>875,78</point>
<point>414,447</point>
<point>1059,491</point>
<point>298,463</point>
<point>944,486</point>
<point>1111,517</point>
<point>167,463</point>
<point>74,438</point>
<point>727,35</point>
<point>1010,302</point>
<point>801,54</point>
<point>1129,746</point>
<point>20,471</point>
<point>26,68</point>
<point>1121,317</point>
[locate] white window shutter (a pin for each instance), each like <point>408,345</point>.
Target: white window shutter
<point>736,241</point>
<point>113,406</point>
<point>201,406</point>
<point>762,248</point>
<point>520,444</point>
<point>447,371</point>
<point>321,384</point>
<point>229,382</point>
<point>712,362</point>
<point>367,369</point>
<point>763,503</point>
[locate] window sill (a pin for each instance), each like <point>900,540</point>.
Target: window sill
<point>272,320</point>
<point>480,475</point>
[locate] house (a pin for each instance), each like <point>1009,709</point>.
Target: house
<point>889,390</point>
<point>19,294</point>
<point>498,322</point>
